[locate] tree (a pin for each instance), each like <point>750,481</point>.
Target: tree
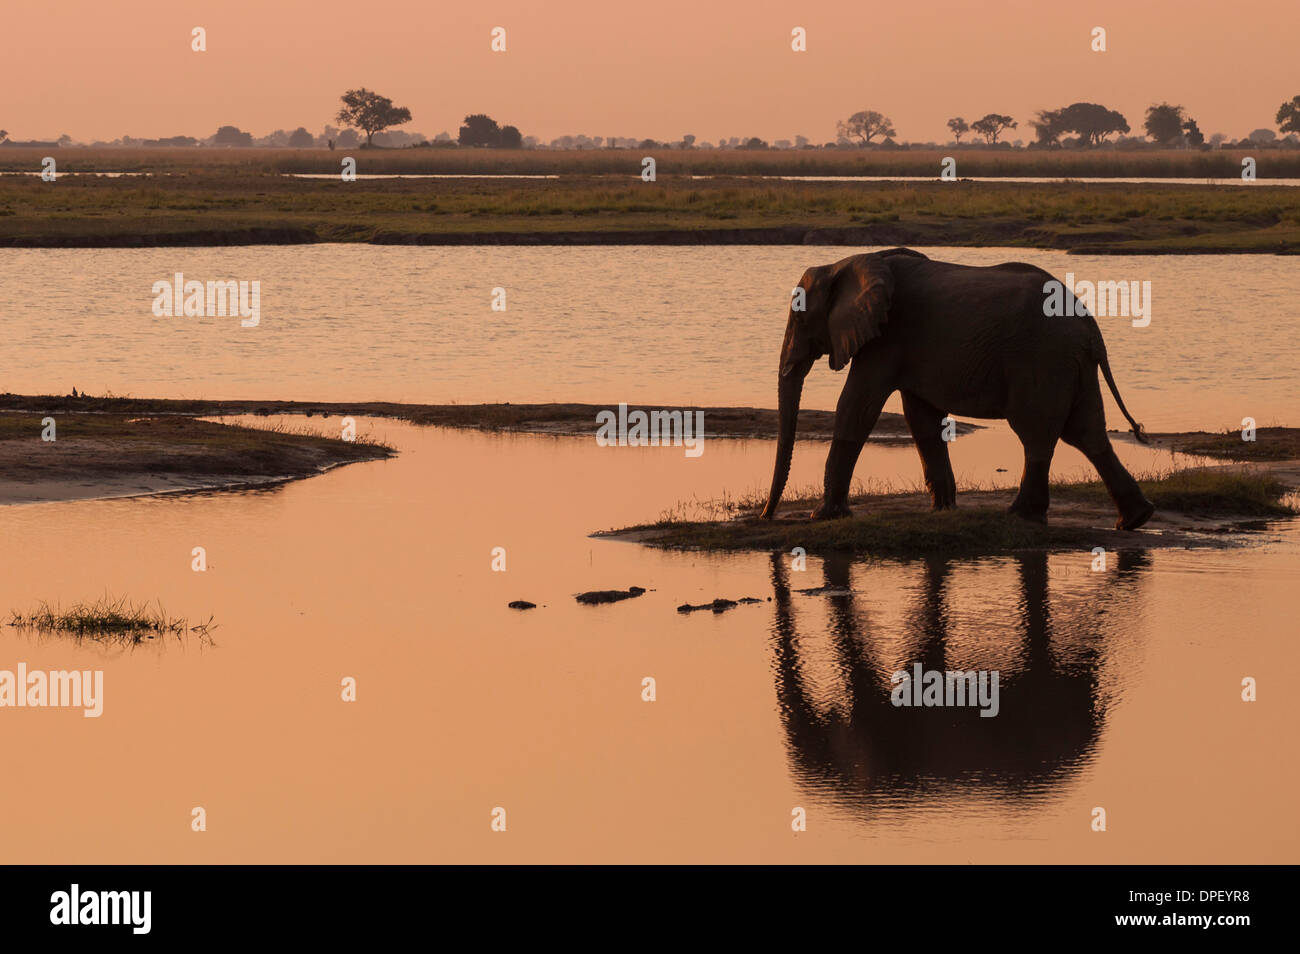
<point>232,136</point>
<point>1164,123</point>
<point>1092,122</point>
<point>959,127</point>
<point>991,126</point>
<point>480,129</point>
<point>1195,137</point>
<point>370,112</point>
<point>301,139</point>
<point>1048,125</point>
<point>688,141</point>
<point>4,134</point>
<point>511,138</point>
<point>1262,137</point>
<point>1288,117</point>
<point>866,126</point>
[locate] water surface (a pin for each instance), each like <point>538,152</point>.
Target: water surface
<point>1120,689</point>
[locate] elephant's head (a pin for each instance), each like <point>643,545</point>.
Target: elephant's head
<point>844,306</point>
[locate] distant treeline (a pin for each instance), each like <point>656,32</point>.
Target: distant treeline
<point>366,115</point>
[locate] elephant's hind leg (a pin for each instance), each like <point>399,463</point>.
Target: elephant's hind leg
<point>1086,431</point>
<point>926,423</point>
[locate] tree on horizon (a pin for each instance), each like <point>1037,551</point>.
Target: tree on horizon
<point>1288,116</point>
<point>866,125</point>
<point>1164,123</point>
<point>992,125</point>
<point>370,112</point>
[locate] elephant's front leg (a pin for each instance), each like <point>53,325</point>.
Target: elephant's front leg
<point>1039,440</point>
<point>926,424</point>
<point>870,382</point>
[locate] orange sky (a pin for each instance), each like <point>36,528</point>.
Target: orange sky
<point>98,70</point>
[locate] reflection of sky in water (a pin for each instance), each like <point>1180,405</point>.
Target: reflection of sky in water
<point>668,325</point>
<point>1118,690</point>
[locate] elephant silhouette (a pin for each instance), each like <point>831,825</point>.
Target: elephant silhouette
<point>863,751</point>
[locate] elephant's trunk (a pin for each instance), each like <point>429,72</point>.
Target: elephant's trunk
<point>789,391</point>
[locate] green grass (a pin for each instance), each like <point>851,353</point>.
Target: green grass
<point>890,534</point>
<point>108,619</point>
<point>1270,443</point>
<point>898,522</point>
<point>230,206</point>
<point>1210,492</point>
<point>977,161</point>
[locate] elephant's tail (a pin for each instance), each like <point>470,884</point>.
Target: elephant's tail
<point>1110,381</point>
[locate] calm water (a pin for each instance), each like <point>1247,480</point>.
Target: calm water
<point>1118,689</point>
<point>602,325</point>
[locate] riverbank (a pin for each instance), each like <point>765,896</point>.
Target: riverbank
<point>976,161</point>
<point>98,455</point>
<point>558,418</point>
<point>1222,506</point>
<point>232,206</point>
<point>579,419</point>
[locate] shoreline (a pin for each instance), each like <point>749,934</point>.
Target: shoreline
<point>988,233</point>
<point>212,204</point>
<point>578,419</point>
<point>1217,507</point>
<point>114,448</point>
<point>570,419</point>
<point>116,456</point>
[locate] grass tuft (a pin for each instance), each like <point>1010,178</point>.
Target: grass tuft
<point>109,619</point>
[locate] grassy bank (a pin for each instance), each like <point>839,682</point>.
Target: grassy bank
<point>977,162</point>
<point>1270,443</point>
<point>228,206</point>
<point>1190,505</point>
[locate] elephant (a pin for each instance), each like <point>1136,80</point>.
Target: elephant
<point>953,339</point>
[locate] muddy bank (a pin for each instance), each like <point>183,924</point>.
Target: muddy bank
<point>571,418</point>
<point>560,418</point>
<point>115,455</point>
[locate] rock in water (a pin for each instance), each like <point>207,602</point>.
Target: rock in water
<point>718,606</point>
<point>521,604</point>
<point>609,596</point>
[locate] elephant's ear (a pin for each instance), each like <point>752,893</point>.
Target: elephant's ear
<point>860,306</point>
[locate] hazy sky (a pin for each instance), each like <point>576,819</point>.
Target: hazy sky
<point>100,70</point>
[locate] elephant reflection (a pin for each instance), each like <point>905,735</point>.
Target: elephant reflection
<point>865,749</point>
